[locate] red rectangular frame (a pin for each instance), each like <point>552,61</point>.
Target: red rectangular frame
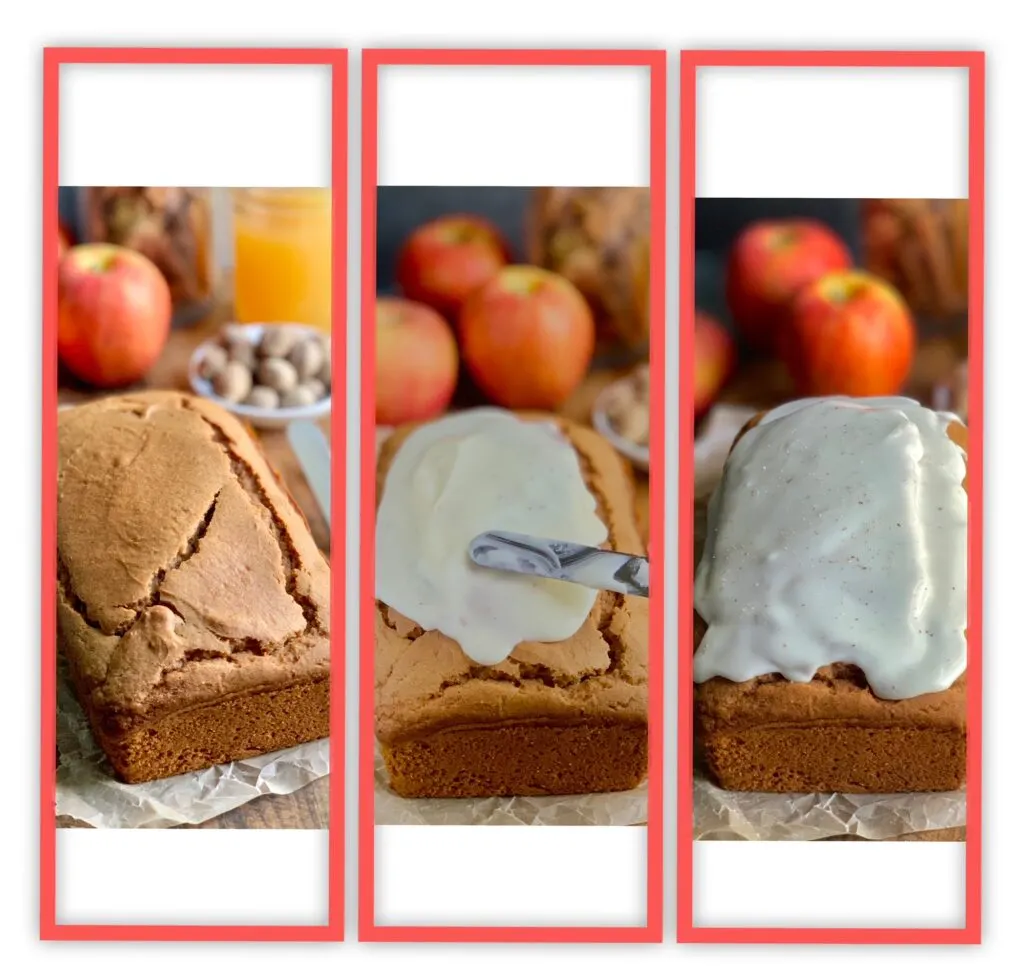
<point>974,63</point>
<point>373,60</point>
<point>53,59</point>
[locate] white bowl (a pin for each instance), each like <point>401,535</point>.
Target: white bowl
<point>639,454</point>
<point>261,417</point>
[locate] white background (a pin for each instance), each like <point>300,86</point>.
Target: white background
<point>239,119</point>
<point>484,876</point>
<point>871,132</point>
<point>520,136</point>
<point>521,133</point>
<point>262,877</point>
<point>981,24</point>
<point>917,148</point>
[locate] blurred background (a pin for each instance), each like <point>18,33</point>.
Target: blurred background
<point>154,282</point>
<point>883,288</point>
<point>718,222</point>
<point>527,298</point>
<point>401,209</point>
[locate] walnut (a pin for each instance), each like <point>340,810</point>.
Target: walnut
<point>278,374</point>
<point>277,341</point>
<point>263,397</point>
<point>317,387</point>
<point>300,396</point>
<point>242,351</point>
<point>214,359</point>
<point>307,357</point>
<point>233,382</point>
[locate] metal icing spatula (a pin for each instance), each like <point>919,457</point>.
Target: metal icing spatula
<point>314,454</point>
<point>528,555</point>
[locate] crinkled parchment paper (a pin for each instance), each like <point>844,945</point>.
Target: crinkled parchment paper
<point>88,791</point>
<point>590,810</point>
<point>598,809</point>
<point>721,815</point>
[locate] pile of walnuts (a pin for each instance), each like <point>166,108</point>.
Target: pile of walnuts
<point>284,367</point>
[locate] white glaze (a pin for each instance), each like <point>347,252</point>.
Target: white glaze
<point>473,472</point>
<point>838,534</point>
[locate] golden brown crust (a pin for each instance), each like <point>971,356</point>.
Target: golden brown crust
<point>428,691</point>
<point>831,734</point>
<point>186,575</point>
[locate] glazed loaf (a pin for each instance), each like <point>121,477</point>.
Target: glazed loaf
<point>554,718</point>
<point>193,606</point>
<point>831,734</point>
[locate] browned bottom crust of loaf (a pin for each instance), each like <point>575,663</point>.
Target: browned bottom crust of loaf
<point>224,731</point>
<point>829,735</point>
<point>519,760</point>
<point>826,759</point>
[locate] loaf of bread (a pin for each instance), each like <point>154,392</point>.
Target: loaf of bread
<point>831,734</point>
<point>554,718</point>
<point>193,606</point>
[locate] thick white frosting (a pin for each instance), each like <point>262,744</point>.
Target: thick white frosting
<point>472,472</point>
<point>838,534</point>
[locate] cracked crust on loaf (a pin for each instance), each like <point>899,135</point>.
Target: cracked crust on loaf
<point>554,718</point>
<point>193,605</point>
<point>831,734</point>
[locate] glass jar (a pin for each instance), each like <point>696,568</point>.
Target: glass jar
<point>170,225</point>
<point>283,256</point>
<point>599,238</point>
<point>920,247</point>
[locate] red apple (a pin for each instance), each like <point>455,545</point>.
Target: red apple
<point>417,362</point>
<point>769,263</point>
<point>443,262</point>
<point>114,314</point>
<point>527,338</point>
<point>714,355</point>
<point>850,334</point>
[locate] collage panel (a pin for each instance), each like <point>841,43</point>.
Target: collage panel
<point>510,663</point>
<point>833,692</point>
<point>193,397</point>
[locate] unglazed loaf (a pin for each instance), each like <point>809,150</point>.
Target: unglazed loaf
<point>831,734</point>
<point>554,718</point>
<point>193,605</point>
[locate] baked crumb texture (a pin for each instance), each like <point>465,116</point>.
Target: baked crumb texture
<point>556,718</point>
<point>831,734</point>
<point>193,605</point>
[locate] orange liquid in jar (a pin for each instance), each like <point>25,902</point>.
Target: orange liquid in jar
<point>283,256</point>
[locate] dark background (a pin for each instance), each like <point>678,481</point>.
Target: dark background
<point>401,209</point>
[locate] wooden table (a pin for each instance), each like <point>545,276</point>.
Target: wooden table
<point>306,808</point>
